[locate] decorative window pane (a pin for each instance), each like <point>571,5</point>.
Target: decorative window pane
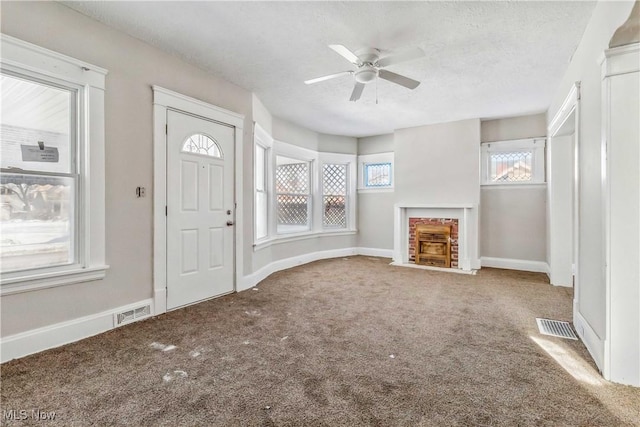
<point>292,195</point>
<point>377,174</point>
<point>510,166</point>
<point>202,144</point>
<point>38,181</point>
<point>292,177</point>
<point>334,195</point>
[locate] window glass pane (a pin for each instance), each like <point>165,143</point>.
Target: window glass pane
<point>202,144</point>
<point>37,221</point>
<point>377,174</point>
<point>334,187</point>
<point>36,126</point>
<point>292,198</point>
<point>510,166</point>
<point>261,215</point>
<point>293,213</point>
<point>259,168</point>
<point>292,176</point>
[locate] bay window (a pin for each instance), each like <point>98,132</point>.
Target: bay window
<point>301,193</point>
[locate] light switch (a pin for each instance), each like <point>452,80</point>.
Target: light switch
<point>141,191</point>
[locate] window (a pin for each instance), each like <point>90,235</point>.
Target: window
<point>202,144</point>
<point>263,144</point>
<point>51,169</point>
<point>293,195</point>
<point>39,177</point>
<point>513,162</point>
<point>375,172</point>
<point>261,193</point>
<point>300,193</point>
<point>334,195</point>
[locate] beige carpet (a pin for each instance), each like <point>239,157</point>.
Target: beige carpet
<point>348,341</point>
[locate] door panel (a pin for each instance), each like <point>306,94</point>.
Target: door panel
<point>189,181</point>
<point>200,159</point>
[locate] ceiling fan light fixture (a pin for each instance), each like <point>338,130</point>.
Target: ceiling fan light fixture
<point>366,75</point>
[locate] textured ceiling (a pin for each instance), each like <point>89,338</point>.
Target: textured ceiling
<point>483,59</point>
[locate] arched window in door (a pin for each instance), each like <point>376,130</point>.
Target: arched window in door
<point>202,144</point>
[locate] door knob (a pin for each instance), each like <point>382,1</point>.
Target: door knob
<point>229,223</point>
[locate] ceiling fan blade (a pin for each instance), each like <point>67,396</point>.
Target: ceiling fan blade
<point>398,79</point>
<point>357,92</point>
<point>407,55</point>
<point>329,77</point>
<point>345,53</point>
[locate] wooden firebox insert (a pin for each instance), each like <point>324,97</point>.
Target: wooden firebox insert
<point>433,245</point>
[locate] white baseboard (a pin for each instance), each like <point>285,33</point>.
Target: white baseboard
<point>591,340</point>
<point>36,340</point>
<point>375,252</point>
<point>515,264</point>
<point>253,279</point>
<point>282,264</point>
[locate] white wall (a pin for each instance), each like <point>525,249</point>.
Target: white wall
<point>519,127</point>
<point>585,68</point>
<point>512,223</point>
<point>133,67</point>
<point>513,218</point>
<point>375,207</point>
<point>440,164</point>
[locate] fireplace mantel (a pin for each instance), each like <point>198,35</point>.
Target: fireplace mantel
<point>465,213</point>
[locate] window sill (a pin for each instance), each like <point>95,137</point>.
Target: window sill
<point>515,185</point>
<point>376,190</point>
<point>300,236</point>
<point>33,282</point>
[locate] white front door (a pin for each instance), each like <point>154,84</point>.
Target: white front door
<point>200,209</point>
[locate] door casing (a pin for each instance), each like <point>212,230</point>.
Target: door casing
<point>164,100</point>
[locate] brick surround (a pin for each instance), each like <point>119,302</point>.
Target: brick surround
<point>434,221</point>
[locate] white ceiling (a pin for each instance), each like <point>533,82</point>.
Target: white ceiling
<point>483,59</point>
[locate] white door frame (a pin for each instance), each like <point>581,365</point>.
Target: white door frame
<point>571,109</point>
<point>164,100</point>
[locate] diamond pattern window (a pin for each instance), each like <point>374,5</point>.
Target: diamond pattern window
<point>202,144</point>
<point>510,166</point>
<point>334,195</point>
<point>514,162</point>
<point>293,197</point>
<point>377,175</point>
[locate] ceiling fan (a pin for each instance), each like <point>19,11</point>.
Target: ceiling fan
<point>370,66</point>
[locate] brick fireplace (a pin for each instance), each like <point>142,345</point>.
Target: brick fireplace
<point>440,225</point>
<point>463,222</point>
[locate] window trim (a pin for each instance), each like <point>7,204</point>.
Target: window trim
<point>369,159</point>
<point>26,59</point>
<point>304,156</point>
<point>349,160</point>
<point>535,145</point>
<point>262,138</point>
